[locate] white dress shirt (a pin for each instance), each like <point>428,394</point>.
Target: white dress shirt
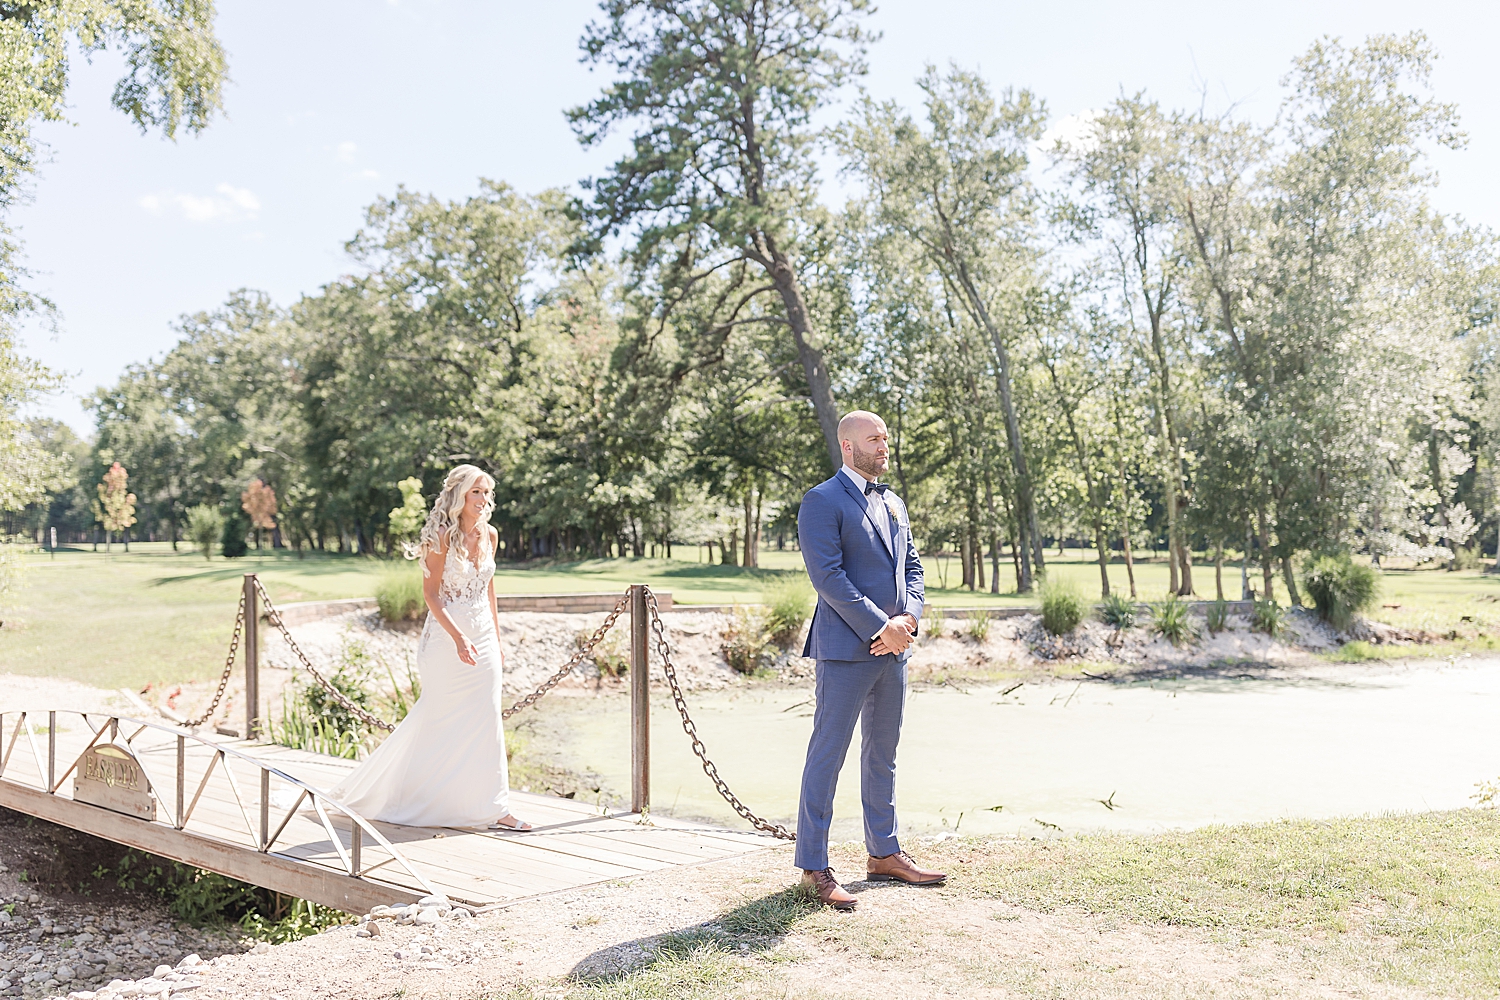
<point>881,516</point>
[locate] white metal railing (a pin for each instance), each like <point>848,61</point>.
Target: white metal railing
<point>259,829</point>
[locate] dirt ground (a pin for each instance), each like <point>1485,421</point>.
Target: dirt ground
<point>901,942</point>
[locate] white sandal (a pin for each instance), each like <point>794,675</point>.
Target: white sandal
<point>521,825</point>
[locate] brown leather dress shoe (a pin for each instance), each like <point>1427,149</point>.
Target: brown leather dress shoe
<point>899,867</point>
<point>830,893</point>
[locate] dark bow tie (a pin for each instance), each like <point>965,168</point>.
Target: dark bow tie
<point>876,488</point>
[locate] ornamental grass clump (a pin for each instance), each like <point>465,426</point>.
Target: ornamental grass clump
<point>1217,616</point>
<point>1062,606</point>
<point>399,595</point>
<point>789,603</point>
<point>1268,617</point>
<point>1119,611</point>
<point>1170,620</point>
<point>1340,587</point>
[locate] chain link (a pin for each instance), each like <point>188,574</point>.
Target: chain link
<point>274,617</point>
<point>234,645</point>
<point>691,728</point>
<point>567,668</point>
<point>664,650</point>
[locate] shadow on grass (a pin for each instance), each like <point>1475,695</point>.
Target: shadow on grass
<point>755,926</point>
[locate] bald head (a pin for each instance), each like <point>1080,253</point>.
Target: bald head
<point>865,443</point>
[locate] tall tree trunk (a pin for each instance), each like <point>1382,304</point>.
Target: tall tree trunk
<point>814,367</point>
<point>1025,495</point>
<point>1219,570</point>
<point>1267,573</point>
<point>1291,582</point>
<point>1245,593</point>
<point>965,552</point>
<point>1101,544</point>
<point>994,561</point>
<point>1125,530</point>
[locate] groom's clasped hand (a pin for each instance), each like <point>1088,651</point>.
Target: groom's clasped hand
<point>895,637</point>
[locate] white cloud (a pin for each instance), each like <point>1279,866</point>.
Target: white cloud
<point>228,204</point>
<point>369,174</point>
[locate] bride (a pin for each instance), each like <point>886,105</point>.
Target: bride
<point>445,763</point>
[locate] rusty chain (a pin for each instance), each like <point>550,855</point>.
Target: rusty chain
<point>664,650</point>
<point>567,668</point>
<point>234,646</point>
<point>274,617</point>
<point>663,647</point>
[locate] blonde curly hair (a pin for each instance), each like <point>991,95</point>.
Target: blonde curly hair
<point>442,529</point>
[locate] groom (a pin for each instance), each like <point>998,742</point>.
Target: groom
<point>856,541</point>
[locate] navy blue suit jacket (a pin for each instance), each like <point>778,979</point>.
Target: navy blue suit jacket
<point>860,582</point>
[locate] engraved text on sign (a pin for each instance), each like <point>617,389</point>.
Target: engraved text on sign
<point>108,776</point>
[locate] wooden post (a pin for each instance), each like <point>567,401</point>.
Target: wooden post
<point>640,705</point>
<point>252,659</point>
<point>356,842</point>
<point>51,753</point>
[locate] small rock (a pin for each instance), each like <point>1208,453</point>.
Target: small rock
<point>33,898</point>
<point>436,899</point>
<point>428,915</point>
<point>82,995</point>
<point>461,913</point>
<point>261,948</point>
<point>161,971</point>
<point>373,928</point>
<point>64,972</point>
<point>189,962</point>
<point>362,933</point>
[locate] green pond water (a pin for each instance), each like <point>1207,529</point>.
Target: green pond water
<point>1165,754</point>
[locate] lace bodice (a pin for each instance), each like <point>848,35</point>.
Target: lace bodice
<point>463,582</point>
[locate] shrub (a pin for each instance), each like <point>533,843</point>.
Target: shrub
<point>789,602</point>
<point>977,625</point>
<point>610,654</point>
<point>1118,610</point>
<point>1062,606</point>
<point>1268,617</point>
<point>205,525</point>
<point>747,640</point>
<point>399,594</point>
<point>1217,616</point>
<point>1340,587</point>
<point>936,626</point>
<point>236,527</point>
<point>1171,621</point>
<point>203,898</point>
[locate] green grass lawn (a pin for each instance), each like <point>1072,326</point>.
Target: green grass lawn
<point>118,618</point>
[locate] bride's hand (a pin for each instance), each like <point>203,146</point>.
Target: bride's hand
<point>466,650</point>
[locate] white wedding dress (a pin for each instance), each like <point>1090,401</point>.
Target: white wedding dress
<point>445,763</point>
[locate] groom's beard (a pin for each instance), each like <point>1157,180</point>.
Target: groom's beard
<point>868,463</point>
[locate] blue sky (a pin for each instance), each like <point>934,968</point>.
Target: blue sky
<point>334,103</point>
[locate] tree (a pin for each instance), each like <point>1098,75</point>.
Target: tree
<point>407,519</point>
<point>958,190</point>
<point>204,527</point>
<point>174,77</point>
<point>259,502</point>
<point>116,504</point>
<point>721,169</point>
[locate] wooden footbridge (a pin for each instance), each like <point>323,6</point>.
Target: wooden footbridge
<point>258,812</point>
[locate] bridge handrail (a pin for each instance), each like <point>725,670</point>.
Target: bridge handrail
<point>264,839</point>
